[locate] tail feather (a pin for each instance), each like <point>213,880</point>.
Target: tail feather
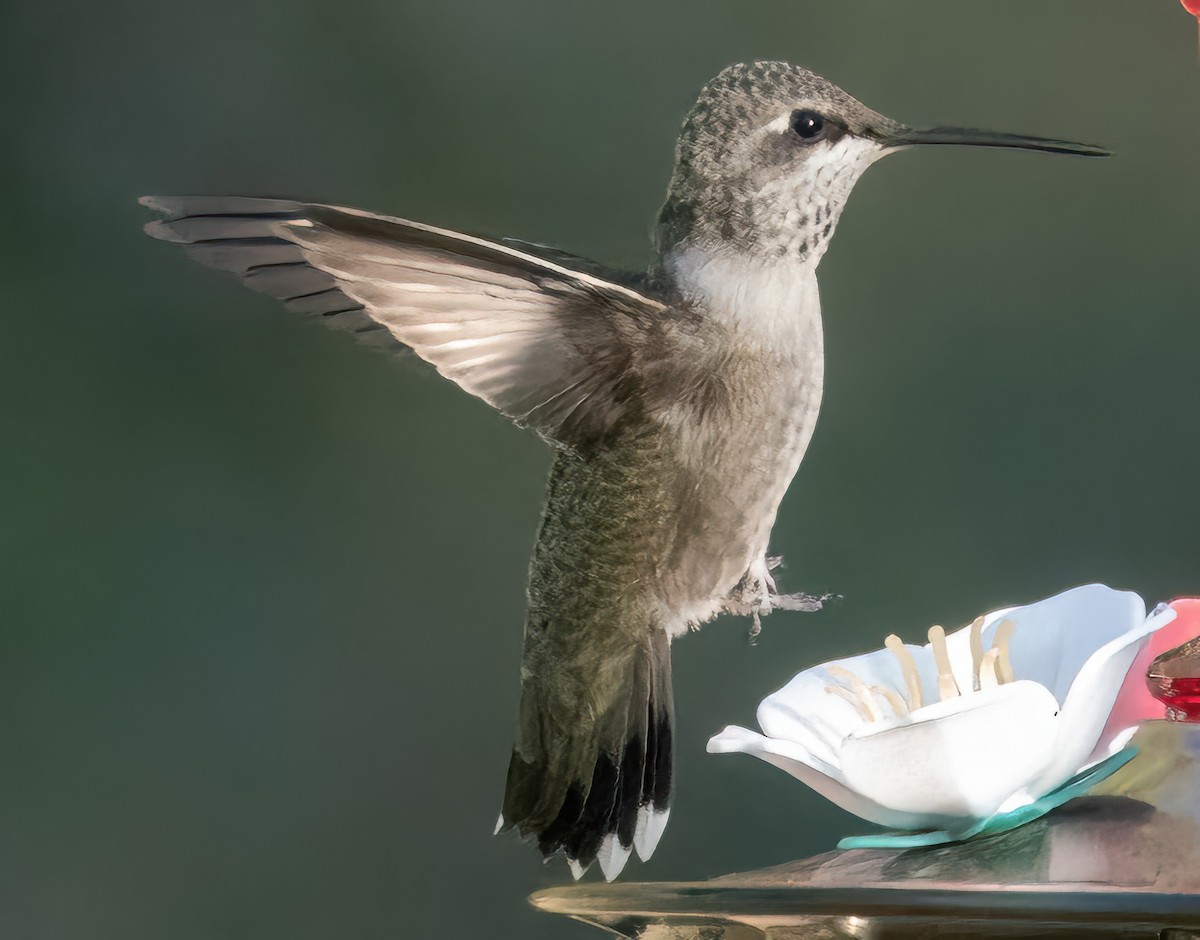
<point>617,779</point>
<point>594,784</point>
<point>657,782</point>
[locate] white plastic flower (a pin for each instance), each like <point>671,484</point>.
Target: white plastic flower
<point>977,731</point>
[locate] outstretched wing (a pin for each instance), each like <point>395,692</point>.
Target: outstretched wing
<point>549,346</point>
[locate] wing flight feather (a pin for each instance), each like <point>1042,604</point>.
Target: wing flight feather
<point>552,347</point>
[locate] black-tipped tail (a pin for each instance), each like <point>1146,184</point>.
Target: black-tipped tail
<point>590,774</point>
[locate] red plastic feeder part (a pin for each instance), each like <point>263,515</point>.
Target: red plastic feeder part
<point>1174,677</point>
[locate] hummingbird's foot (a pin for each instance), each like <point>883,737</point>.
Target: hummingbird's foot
<point>756,596</point>
<point>803,602</point>
<point>752,596</point>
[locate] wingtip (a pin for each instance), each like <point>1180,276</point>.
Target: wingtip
<point>161,229</point>
<point>178,207</point>
<point>164,205</point>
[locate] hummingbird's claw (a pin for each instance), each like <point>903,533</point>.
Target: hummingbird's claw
<point>805,602</point>
<point>755,628</point>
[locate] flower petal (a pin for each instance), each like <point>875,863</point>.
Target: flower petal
<point>1056,636</point>
<point>1090,700</point>
<point>963,757</point>
<point>803,711</point>
<point>1001,822</point>
<point>793,759</point>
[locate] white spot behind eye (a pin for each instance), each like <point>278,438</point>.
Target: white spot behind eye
<point>781,125</point>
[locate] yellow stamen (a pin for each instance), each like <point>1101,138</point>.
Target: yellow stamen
<point>860,690</point>
<point>859,705</point>
<point>893,698</point>
<point>912,678</point>
<point>1000,640</point>
<point>987,670</point>
<point>976,650</point>
<point>947,687</point>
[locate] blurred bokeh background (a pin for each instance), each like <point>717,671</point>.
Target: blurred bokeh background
<point>262,590</point>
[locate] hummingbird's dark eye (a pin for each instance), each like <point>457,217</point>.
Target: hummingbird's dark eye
<point>808,125</point>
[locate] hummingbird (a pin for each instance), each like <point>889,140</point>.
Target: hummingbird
<point>678,402</point>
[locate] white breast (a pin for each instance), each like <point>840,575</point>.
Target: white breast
<point>774,301</point>
<point>763,342</point>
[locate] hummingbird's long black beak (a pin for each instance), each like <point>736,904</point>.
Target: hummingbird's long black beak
<point>970,137</point>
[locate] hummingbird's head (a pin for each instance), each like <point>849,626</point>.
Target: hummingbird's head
<point>769,153</point>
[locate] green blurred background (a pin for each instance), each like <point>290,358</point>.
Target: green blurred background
<point>263,590</point>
